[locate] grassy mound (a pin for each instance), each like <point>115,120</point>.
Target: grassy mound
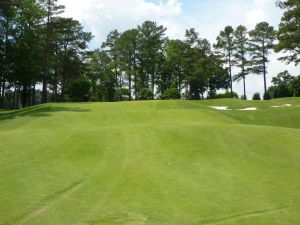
<point>157,162</point>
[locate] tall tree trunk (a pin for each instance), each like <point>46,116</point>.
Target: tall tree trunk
<point>244,81</point>
<point>179,85</point>
<point>5,69</point>
<point>152,83</point>
<point>8,102</point>
<point>55,92</point>
<point>24,96</point>
<point>63,89</point>
<point>29,96</point>
<point>118,78</point>
<point>135,87</point>
<point>55,85</point>
<point>264,68</point>
<point>2,94</point>
<point>129,80</point>
<point>244,78</point>
<point>14,97</point>
<point>230,74</point>
<point>33,95</point>
<point>265,78</point>
<point>46,66</point>
<point>18,96</point>
<point>135,75</point>
<point>44,90</point>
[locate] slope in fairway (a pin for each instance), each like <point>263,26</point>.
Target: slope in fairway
<point>157,162</point>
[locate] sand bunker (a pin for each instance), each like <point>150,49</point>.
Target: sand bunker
<point>278,106</point>
<point>220,107</point>
<point>248,109</point>
<point>225,108</point>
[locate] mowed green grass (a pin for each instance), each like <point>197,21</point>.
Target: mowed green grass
<point>156,162</point>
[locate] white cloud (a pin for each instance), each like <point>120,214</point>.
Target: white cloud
<point>255,16</point>
<point>103,16</point>
<point>171,8</point>
<point>263,3</point>
<point>261,11</point>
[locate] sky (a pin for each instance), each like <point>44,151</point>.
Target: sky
<point>208,17</point>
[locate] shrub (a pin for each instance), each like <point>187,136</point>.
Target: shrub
<point>256,96</point>
<point>146,94</point>
<point>280,91</point>
<point>295,86</point>
<point>171,93</point>
<point>79,90</point>
<point>243,97</point>
<point>224,95</point>
<point>267,96</point>
<point>123,94</point>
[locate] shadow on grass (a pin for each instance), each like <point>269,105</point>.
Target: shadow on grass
<point>39,111</point>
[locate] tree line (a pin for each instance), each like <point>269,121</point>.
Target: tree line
<point>38,47</point>
<point>44,57</point>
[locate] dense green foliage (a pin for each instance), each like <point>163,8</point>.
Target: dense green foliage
<point>289,31</point>
<point>143,59</point>
<point>256,96</point>
<point>285,85</point>
<point>171,93</point>
<point>79,90</point>
<point>38,47</point>
<point>146,94</point>
<point>155,162</point>
<point>225,95</point>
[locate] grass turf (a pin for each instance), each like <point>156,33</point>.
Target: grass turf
<point>156,162</point>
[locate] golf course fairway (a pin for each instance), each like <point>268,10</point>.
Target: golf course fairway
<point>151,162</point>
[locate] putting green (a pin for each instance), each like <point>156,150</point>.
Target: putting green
<point>154,162</point>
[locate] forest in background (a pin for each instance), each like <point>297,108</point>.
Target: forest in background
<point>44,57</point>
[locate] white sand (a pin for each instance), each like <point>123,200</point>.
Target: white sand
<point>248,109</point>
<point>278,106</point>
<point>220,107</point>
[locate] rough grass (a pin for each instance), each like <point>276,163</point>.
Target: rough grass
<point>157,162</point>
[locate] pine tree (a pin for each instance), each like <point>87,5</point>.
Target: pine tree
<point>241,52</point>
<point>110,46</point>
<point>224,47</point>
<point>152,42</point>
<point>127,46</point>
<point>289,31</point>
<point>262,41</point>
<point>52,9</point>
<point>8,13</point>
<point>70,48</point>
